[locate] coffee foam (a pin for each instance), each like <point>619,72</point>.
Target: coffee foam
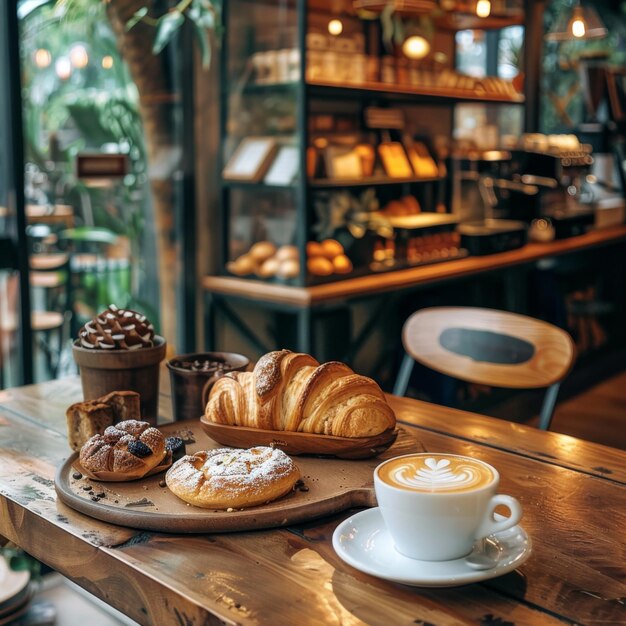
<point>436,474</point>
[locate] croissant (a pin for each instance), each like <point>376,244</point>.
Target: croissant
<point>292,391</point>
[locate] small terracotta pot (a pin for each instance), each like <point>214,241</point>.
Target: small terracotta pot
<point>103,371</point>
<point>190,389</point>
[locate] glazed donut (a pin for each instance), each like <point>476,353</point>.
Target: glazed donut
<point>127,448</point>
<point>231,478</point>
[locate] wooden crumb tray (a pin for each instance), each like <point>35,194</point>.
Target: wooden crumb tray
<point>330,485</point>
<point>116,477</point>
<point>295,443</point>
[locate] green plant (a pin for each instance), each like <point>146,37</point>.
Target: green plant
<point>357,214</point>
<point>203,15</point>
<point>20,561</point>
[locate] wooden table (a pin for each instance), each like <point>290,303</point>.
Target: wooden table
<point>573,494</point>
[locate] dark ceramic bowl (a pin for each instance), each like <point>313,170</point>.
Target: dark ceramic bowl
<point>191,384</point>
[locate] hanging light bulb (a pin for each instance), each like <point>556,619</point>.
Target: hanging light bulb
<point>43,58</point>
<point>583,22</point>
<point>577,25</point>
<point>79,56</point>
<point>416,47</point>
<point>107,62</point>
<point>483,8</point>
<point>335,27</point>
<point>63,68</point>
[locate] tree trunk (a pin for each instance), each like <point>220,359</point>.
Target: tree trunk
<point>156,99</point>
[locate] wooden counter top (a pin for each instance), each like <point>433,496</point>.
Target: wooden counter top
<point>407,278</point>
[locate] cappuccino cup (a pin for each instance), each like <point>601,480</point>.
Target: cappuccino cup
<point>436,506</point>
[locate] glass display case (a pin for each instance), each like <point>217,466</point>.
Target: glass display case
<point>336,137</point>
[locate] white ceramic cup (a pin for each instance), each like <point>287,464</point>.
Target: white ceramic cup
<point>436,506</point>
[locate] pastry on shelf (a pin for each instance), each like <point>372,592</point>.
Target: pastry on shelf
<point>261,251</point>
<point>288,268</point>
<point>320,266</point>
<point>403,207</point>
<point>342,264</point>
<point>91,417</point>
<point>264,260</point>
<point>227,478</point>
<point>326,258</point>
<point>292,392</point>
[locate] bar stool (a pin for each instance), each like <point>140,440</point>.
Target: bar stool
<point>488,347</point>
<point>50,277</point>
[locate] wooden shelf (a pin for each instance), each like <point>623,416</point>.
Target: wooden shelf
<point>303,297</point>
<point>235,184</point>
<point>458,20</point>
<point>404,92</point>
<point>366,182</point>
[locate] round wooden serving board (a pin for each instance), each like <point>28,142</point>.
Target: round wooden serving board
<point>333,485</point>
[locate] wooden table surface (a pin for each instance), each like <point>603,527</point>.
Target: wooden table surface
<point>573,494</point>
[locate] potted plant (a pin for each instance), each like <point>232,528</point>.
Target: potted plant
<point>354,221</point>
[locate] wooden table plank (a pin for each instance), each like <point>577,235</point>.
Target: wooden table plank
<point>564,450</point>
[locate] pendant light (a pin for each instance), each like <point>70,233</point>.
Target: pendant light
<point>583,22</point>
<point>483,8</point>
<point>416,46</point>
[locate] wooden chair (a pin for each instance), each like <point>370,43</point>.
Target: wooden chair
<point>488,347</point>
<point>51,288</point>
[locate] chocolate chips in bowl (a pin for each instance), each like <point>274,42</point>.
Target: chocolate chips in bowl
<point>192,376</point>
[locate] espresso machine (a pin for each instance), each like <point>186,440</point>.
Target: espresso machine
<point>547,187</point>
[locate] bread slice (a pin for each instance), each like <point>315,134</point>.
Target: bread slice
<point>91,417</point>
<point>125,405</point>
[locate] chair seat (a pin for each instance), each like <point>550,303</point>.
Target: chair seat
<point>47,262</point>
<point>47,280</point>
<point>39,320</point>
<point>46,320</point>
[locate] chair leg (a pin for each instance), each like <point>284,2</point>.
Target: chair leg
<point>547,409</point>
<point>402,381</point>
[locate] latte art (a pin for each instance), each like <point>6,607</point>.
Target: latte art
<point>436,474</point>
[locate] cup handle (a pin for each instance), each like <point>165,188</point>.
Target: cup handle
<point>208,385</point>
<point>490,526</point>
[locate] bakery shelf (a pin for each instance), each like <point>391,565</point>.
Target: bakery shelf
<point>406,92</point>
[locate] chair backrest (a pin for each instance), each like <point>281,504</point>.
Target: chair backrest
<point>489,347</point>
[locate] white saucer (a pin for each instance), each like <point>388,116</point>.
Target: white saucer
<point>11,583</point>
<point>363,542</point>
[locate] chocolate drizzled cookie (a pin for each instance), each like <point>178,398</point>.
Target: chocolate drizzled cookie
<point>117,329</point>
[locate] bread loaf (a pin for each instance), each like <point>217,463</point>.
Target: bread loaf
<point>88,418</point>
<point>292,391</point>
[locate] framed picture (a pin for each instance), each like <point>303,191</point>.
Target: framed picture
<point>284,168</point>
<point>343,162</point>
<point>251,159</point>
